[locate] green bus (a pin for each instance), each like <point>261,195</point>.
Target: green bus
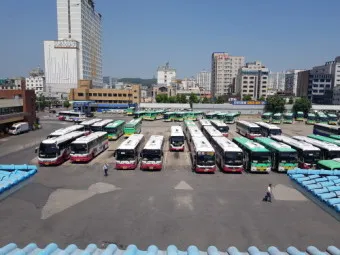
<point>267,117</point>
<point>299,116</point>
<point>332,119</point>
<point>130,111</point>
<point>139,114</point>
<point>277,118</point>
<point>321,118</point>
<point>311,119</point>
<point>133,127</point>
<point>187,124</point>
<point>330,164</point>
<point>180,116</point>
<point>284,157</point>
<point>169,116</point>
<point>211,115</point>
<point>337,137</point>
<point>194,115</point>
<point>153,115</point>
<point>231,117</point>
<point>115,130</point>
<point>221,116</point>
<point>288,118</point>
<point>257,158</point>
<point>325,139</point>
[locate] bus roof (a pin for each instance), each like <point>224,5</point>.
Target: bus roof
<point>268,114</point>
<point>321,144</point>
<point>212,113</point>
<point>332,115</point>
<point>233,114</point>
<point>295,143</point>
<point>202,144</point>
<point>102,123</point>
<point>325,138</point>
<point>288,114</point>
<point>64,131</point>
<point>267,125</point>
<point>205,122</point>
<point>278,114</point>
<point>337,137</point>
<point>140,112</point>
<point>311,114</point>
<point>299,112</point>
<point>169,113</point>
<point>115,124</point>
<point>218,123</point>
<point>249,124</point>
<point>189,123</point>
<point>154,143</point>
<point>90,137</point>
<point>251,145</point>
<point>176,131</point>
<point>332,127</point>
<point>330,163</point>
<point>321,113</point>
<point>63,138</point>
<point>272,144</point>
<point>90,122</point>
<point>131,142</point>
<point>195,132</point>
<point>226,144</point>
<point>213,132</point>
<point>133,122</point>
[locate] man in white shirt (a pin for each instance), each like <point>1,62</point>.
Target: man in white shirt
<point>268,197</point>
<point>105,169</point>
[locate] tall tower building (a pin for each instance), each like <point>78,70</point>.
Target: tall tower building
<point>224,69</point>
<point>166,74</point>
<point>203,79</point>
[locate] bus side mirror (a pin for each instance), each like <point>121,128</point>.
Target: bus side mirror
<point>140,155</point>
<point>36,149</point>
<point>115,154</point>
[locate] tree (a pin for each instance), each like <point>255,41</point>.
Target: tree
<point>205,100</point>
<point>162,98</point>
<point>219,100</point>
<point>291,100</point>
<point>178,98</point>
<point>183,99</point>
<point>41,102</point>
<point>66,104</point>
<point>193,99</point>
<point>246,98</point>
<point>275,104</point>
<point>172,99</point>
<point>262,98</point>
<point>302,105</point>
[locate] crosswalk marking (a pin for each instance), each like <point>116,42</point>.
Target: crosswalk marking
<point>183,186</point>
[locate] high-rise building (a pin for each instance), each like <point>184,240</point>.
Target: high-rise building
<point>166,75</point>
<point>291,78</point>
<point>36,81</point>
<point>189,83</point>
<point>302,83</point>
<point>277,81</point>
<point>252,79</point>
<point>78,49</point>
<point>224,69</point>
<point>203,79</point>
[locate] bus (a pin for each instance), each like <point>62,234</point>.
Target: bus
<point>311,119</point>
<point>325,139</point>
<point>202,155</point>
<point>277,118</point>
<point>268,129</point>
<point>180,116</point>
<point>231,117</point>
<point>331,164</point>
<point>299,116</point>
<point>220,126</point>
<point>229,157</point>
<point>328,150</point>
<point>100,125</point>
<point>332,119</point>
<point>71,116</point>
<point>256,157</point>
<point>152,153</point>
<point>288,118</point>
<point>67,130</point>
<point>87,123</point>
<point>194,115</point>
<point>322,118</point>
<point>187,124</point>
<point>337,137</point>
<point>326,130</point>
<point>176,139</point>
<point>127,153</point>
<point>267,117</point>
<point>133,127</point>
<point>193,132</point>
<point>247,129</point>
<point>88,147</point>
<point>130,111</point>
<point>169,116</point>
<point>221,116</point>
<point>139,114</point>
<point>115,129</point>
<point>204,122</point>
<point>153,115</point>
<point>284,157</point>
<point>211,115</point>
<point>210,132</point>
<point>56,150</point>
<point>308,155</point>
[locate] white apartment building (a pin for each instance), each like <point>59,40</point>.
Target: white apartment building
<point>36,81</point>
<point>276,81</point>
<point>203,80</point>
<point>166,75</point>
<point>291,79</point>
<point>253,80</point>
<point>188,83</point>
<point>224,69</point>
<point>77,21</point>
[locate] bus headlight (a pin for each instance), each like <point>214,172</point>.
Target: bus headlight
<point>253,168</point>
<point>268,169</point>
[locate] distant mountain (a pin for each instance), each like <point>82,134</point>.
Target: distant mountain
<point>143,82</point>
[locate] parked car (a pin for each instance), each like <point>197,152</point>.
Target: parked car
<point>18,128</point>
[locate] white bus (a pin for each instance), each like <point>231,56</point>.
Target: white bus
<point>248,129</point>
<point>176,139</point>
<point>328,150</point>
<point>67,130</point>
<point>308,155</point>
<point>220,126</point>
<point>325,129</point>
<point>202,155</point>
<point>88,147</point>
<point>268,129</point>
<point>56,150</point>
<point>87,123</point>
<point>203,122</point>
<point>152,153</point>
<point>194,132</point>
<point>210,132</point>
<point>127,154</point>
<point>99,126</point>
<point>71,116</point>
<point>229,157</point>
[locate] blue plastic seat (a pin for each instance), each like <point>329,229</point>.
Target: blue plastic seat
<point>337,181</point>
<point>326,184</point>
<point>320,191</point>
<point>337,207</point>
<point>334,188</point>
<point>332,177</point>
<point>333,201</point>
<point>313,186</point>
<point>326,196</point>
<point>326,172</point>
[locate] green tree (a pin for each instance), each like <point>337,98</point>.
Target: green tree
<point>262,98</point>
<point>66,104</point>
<point>205,100</point>
<point>41,102</point>
<point>162,98</point>
<point>275,104</point>
<point>291,100</point>
<point>302,105</point>
<point>172,99</point>
<point>193,99</point>
<point>219,100</point>
<point>183,99</point>
<point>178,98</point>
<point>246,98</point>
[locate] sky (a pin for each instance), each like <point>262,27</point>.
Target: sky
<point>138,36</point>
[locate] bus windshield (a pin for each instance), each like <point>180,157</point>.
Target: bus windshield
<point>333,154</point>
<point>332,118</point>
<point>276,117</point>
<point>260,157</point>
<point>48,150</point>
<point>206,160</point>
<point>311,117</point>
<point>275,132</point>
<point>96,128</point>
<point>223,129</point>
<point>233,158</point>
<point>177,140</point>
<point>311,156</point>
<point>79,148</point>
<point>254,130</point>
<point>288,157</point>
<point>288,117</point>
<point>125,155</point>
<point>111,130</point>
<point>151,155</point>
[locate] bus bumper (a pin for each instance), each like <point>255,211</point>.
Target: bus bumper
<point>145,166</point>
<point>252,137</point>
<point>229,169</point>
<point>176,148</point>
<point>225,135</point>
<point>76,159</point>
<point>120,166</point>
<point>306,166</point>
<point>53,162</point>
<point>205,169</point>
<point>112,138</point>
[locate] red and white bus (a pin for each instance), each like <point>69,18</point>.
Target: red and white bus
<point>176,139</point>
<point>127,154</point>
<point>203,122</point>
<point>229,157</point>
<point>67,130</point>
<point>210,132</point>
<point>88,123</point>
<point>71,116</point>
<point>88,147</point>
<point>220,126</point>
<point>202,155</point>
<point>152,153</point>
<point>55,151</point>
<point>248,129</point>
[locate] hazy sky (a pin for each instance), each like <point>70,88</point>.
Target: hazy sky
<point>140,35</point>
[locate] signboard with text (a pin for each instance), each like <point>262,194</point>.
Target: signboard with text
<point>248,102</point>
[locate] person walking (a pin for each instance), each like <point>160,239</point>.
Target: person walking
<point>105,169</point>
<point>268,196</point>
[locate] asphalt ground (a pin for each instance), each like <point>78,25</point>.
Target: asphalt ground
<point>77,204</point>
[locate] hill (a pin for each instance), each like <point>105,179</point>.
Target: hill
<point>143,82</point>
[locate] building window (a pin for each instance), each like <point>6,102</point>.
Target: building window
<point>328,80</point>
<point>90,94</point>
<point>251,91</point>
<point>80,94</point>
<point>315,91</point>
<point>264,82</point>
<point>105,95</point>
<point>94,94</point>
<point>251,82</point>
<point>328,86</point>
<point>322,85</point>
<point>110,94</point>
<point>129,95</point>
<point>124,95</point>
<point>114,94</point>
<point>120,95</point>
<point>135,97</point>
<point>252,78</point>
<point>245,77</point>
<point>245,82</point>
<point>135,91</point>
